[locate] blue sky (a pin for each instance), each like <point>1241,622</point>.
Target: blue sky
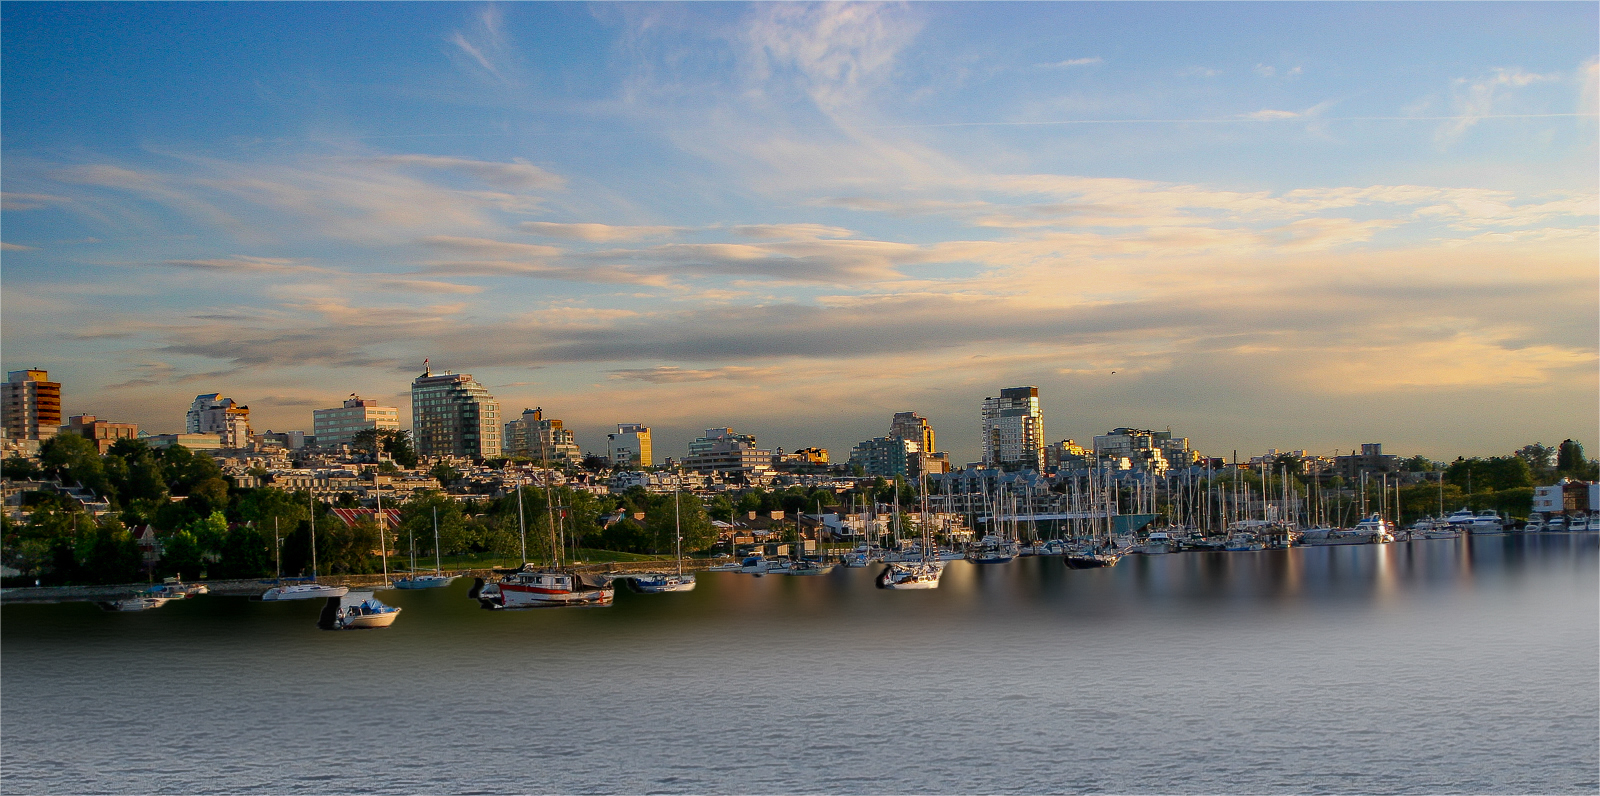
<point>1281,225</point>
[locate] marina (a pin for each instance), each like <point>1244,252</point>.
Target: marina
<point>1026,677</point>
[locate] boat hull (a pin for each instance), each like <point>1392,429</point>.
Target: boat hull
<point>910,576</point>
<point>281,593</point>
<point>661,584</point>
<point>425,582</point>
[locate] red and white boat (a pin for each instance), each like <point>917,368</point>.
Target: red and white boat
<point>535,588</point>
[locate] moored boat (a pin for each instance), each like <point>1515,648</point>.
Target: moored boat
<point>356,611</point>
<point>175,589</point>
<point>531,587</point>
<point>911,575</point>
<point>136,603</point>
<point>303,591</point>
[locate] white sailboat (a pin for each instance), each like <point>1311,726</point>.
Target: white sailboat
<point>312,590</point>
<point>660,582</point>
<point>920,574</point>
<point>438,578</point>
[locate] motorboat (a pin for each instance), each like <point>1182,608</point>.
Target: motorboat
<point>136,603</point>
<point>660,583</point>
<point>175,589</point>
<point>1582,522</point>
<point>810,566</point>
<point>1483,522</point>
<point>532,587</point>
<point>303,591</point>
<point>1556,523</point>
<point>992,550</point>
<point>1156,543</point>
<point>1242,543</point>
<point>911,575</point>
<point>356,611</point>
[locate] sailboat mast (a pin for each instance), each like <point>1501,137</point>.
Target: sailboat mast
<point>438,569</point>
<point>312,505</point>
<point>522,524</point>
<point>383,531</point>
<point>677,528</point>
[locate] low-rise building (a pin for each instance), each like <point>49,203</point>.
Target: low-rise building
<point>1371,460</point>
<point>630,446</point>
<point>537,437</point>
<point>214,413</point>
<point>723,451</point>
<point>339,426</point>
<point>103,433</point>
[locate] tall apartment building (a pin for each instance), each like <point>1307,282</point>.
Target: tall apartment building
<point>31,404</point>
<point>335,427</point>
<point>453,415</point>
<point>630,445</point>
<point>103,433</point>
<point>213,413</point>
<point>723,451</point>
<point>913,427</point>
<point>890,457</point>
<point>1013,430</point>
<point>540,438</point>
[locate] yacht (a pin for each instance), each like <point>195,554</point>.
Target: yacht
<point>1156,543</point>
<point>911,575</point>
<point>304,591</point>
<point>356,611</point>
<point>1482,522</point>
<point>1091,558</point>
<point>1555,522</point>
<point>530,587</point>
<point>1582,522</point>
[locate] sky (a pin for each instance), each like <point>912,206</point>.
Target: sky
<point>1261,225</point>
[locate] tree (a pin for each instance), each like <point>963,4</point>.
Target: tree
<point>1571,462</point>
<point>113,554</point>
<point>181,555</point>
<point>74,459</point>
<point>1499,472</point>
<point>1417,464</point>
<point>20,469</point>
<point>445,474</point>
<point>395,443</point>
<point>245,553</point>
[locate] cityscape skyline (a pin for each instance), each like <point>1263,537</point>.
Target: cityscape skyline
<point>797,220</point>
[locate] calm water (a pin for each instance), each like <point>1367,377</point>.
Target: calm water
<point>1439,666</point>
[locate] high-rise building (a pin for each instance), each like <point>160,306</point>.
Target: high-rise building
<point>453,415</point>
<point>31,404</point>
<point>913,427</point>
<point>723,451</point>
<point>1013,430</point>
<point>630,445</point>
<point>335,427</point>
<point>890,457</point>
<point>537,437</point>
<point>213,413</point>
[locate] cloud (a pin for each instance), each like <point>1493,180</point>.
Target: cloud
<point>596,233</point>
<point>16,247</point>
<point>11,200</point>
<point>1473,100</point>
<point>1071,63</point>
<point>485,247</point>
<point>1272,115</point>
<point>791,231</point>
<point>485,44</point>
<point>1200,71</point>
<point>518,174</point>
<point>668,374</point>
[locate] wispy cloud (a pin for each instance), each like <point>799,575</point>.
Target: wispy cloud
<point>1071,62</point>
<point>1473,100</point>
<point>16,247</point>
<point>595,233</point>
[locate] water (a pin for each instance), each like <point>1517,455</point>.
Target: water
<point>1439,666</point>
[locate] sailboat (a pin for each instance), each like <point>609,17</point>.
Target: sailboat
<point>659,582</point>
<point>920,574</point>
<point>312,590</point>
<point>438,579</point>
<point>534,587</point>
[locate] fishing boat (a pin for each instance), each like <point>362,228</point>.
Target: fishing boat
<point>438,579</point>
<point>303,591</point>
<point>661,582</point>
<point>136,603</point>
<point>532,587</point>
<point>356,611</point>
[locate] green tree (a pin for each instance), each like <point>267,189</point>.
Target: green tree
<point>113,555</point>
<point>1499,472</point>
<point>181,554</point>
<point>445,474</point>
<point>245,553</point>
<point>20,469</point>
<point>74,459</point>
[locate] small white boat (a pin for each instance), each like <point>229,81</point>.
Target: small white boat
<point>1242,543</point>
<point>661,583</point>
<point>911,575</point>
<point>992,550</point>
<point>356,611</point>
<point>1156,543</point>
<point>138,603</point>
<point>304,591</point>
<point>1581,523</point>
